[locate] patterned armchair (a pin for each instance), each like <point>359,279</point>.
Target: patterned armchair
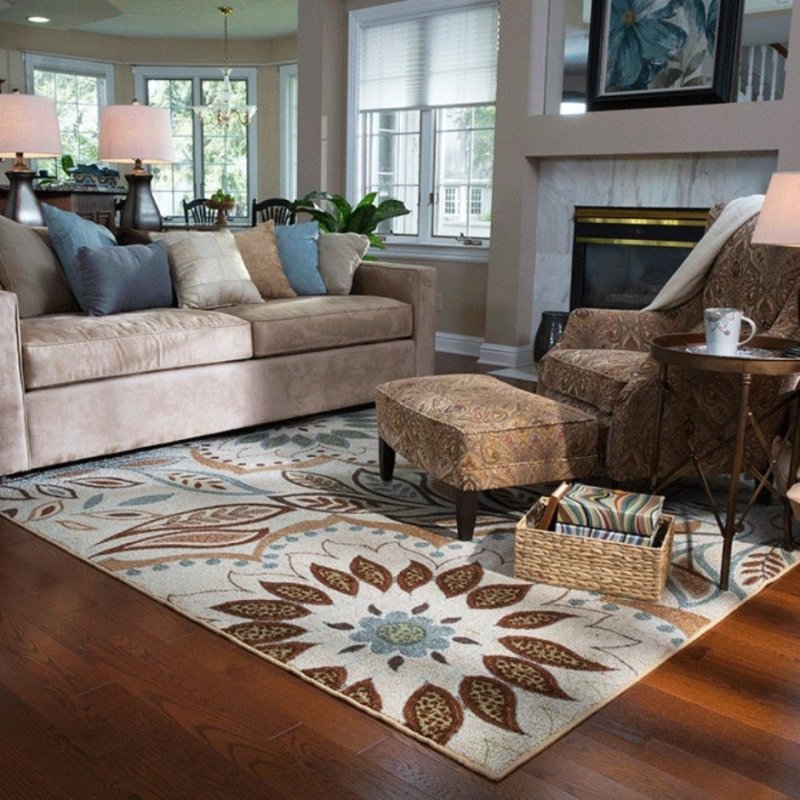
<point>602,364</point>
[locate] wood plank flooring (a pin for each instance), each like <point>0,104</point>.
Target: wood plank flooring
<point>105,693</point>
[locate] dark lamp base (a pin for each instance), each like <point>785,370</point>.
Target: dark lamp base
<point>140,209</point>
<point>22,205</point>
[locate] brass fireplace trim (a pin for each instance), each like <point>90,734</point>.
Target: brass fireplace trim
<point>635,242</point>
<point>693,218</point>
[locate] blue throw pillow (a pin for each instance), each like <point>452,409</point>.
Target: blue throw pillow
<point>297,250</point>
<point>116,279</point>
<point>68,232</point>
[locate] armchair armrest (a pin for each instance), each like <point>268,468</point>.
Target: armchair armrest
<point>415,285</point>
<point>619,329</point>
<point>14,456</point>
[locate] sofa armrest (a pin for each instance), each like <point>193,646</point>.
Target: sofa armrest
<point>415,285</point>
<point>14,455</point>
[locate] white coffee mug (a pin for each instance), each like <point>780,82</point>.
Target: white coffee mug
<point>723,329</point>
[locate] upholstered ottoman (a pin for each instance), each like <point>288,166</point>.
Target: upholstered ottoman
<point>476,432</point>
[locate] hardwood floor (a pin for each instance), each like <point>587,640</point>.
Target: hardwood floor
<point>105,693</point>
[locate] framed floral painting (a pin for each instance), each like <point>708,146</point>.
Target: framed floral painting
<point>662,52</point>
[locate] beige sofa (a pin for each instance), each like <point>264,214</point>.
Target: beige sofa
<point>74,386</point>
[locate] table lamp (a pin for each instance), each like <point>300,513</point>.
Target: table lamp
<point>139,135</point>
<point>28,129</point>
<point>779,223</point>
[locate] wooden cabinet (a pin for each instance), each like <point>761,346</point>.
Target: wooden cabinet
<point>98,206</point>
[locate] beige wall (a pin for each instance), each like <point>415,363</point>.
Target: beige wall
<point>526,135</point>
<point>265,54</point>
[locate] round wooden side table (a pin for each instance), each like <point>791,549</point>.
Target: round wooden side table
<point>762,356</point>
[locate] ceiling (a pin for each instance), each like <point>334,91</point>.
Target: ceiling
<point>158,19</point>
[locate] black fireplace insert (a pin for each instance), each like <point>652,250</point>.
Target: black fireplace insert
<point>621,257</point>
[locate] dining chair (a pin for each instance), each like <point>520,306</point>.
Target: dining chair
<point>278,209</point>
<point>199,212</point>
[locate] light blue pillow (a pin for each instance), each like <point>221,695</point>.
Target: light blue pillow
<point>116,279</point>
<point>68,232</point>
<point>297,250</point>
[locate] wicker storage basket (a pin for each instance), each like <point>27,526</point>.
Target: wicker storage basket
<point>594,564</point>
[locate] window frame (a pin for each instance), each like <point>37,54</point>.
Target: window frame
<point>424,243</point>
<point>143,73</point>
<point>69,66</point>
<point>288,131</point>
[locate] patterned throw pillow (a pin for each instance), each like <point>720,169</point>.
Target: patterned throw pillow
<point>260,255</point>
<point>297,248</point>
<point>68,232</point>
<point>207,269</point>
<point>339,255</point>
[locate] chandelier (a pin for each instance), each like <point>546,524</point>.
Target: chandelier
<point>223,109</point>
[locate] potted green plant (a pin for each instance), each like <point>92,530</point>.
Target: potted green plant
<point>336,215</point>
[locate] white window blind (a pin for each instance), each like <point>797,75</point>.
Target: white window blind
<point>430,61</point>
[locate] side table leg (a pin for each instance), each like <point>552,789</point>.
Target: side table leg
<point>656,452</point>
<point>794,463</point>
<point>733,488</point>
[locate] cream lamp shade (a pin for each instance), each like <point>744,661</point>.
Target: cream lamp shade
<point>140,135</point>
<point>135,134</point>
<point>28,129</point>
<point>779,220</point>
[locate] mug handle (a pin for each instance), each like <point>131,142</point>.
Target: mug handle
<point>752,330</point>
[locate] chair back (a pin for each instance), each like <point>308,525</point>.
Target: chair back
<point>758,279</point>
<point>278,209</point>
<point>199,213</point>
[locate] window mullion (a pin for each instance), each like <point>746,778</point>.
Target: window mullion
<point>427,177</point>
<point>197,132</point>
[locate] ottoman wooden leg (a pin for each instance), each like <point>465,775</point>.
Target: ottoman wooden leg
<point>466,512</point>
<point>386,460</point>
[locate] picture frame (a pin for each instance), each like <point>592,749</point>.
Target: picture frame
<point>662,52</point>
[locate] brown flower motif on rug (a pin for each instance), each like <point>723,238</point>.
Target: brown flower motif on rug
<point>399,633</point>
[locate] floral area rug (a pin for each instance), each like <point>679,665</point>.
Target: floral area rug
<point>286,540</point>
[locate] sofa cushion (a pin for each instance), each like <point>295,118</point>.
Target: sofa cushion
<point>29,267</point>
<point>339,255</point>
<point>114,279</point>
<point>207,269</point>
<point>595,377</point>
<point>297,248</point>
<point>259,252</point>
<point>320,323</point>
<point>68,232</point>
<point>67,348</point>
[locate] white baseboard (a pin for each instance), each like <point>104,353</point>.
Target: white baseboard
<point>458,344</point>
<point>502,355</point>
<point>498,355</point>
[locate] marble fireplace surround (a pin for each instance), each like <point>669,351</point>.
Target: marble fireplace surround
<point>667,181</point>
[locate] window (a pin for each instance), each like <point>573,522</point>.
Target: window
<point>423,113</point>
<point>208,156</point>
<point>78,88</point>
<point>288,89</point>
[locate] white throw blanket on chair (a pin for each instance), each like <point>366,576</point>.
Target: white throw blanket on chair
<point>688,279</point>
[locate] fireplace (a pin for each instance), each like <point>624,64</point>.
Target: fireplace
<point>621,257</point>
